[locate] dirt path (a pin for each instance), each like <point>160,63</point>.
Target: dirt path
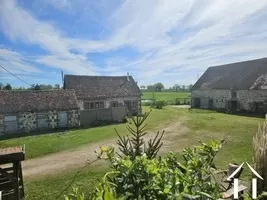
<point>73,159</point>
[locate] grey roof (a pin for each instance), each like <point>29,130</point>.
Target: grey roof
<point>101,87</point>
<point>247,75</point>
<point>37,100</point>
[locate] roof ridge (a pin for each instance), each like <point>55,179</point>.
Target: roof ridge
<point>239,62</point>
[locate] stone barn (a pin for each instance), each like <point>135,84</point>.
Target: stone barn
<point>94,92</point>
<point>240,86</point>
<point>26,111</point>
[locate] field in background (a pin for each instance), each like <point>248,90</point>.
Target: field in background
<point>198,125</point>
<point>169,97</point>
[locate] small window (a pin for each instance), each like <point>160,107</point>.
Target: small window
<point>233,94</point>
<point>97,104</point>
<point>91,105</point>
<point>86,105</point>
<point>101,104</point>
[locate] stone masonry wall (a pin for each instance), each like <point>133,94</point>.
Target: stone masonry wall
<point>73,118</point>
<point>27,121</point>
<point>220,97</point>
<point>120,100</point>
<point>246,97</point>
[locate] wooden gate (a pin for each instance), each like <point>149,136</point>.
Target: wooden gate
<point>63,119</point>
<point>11,123</point>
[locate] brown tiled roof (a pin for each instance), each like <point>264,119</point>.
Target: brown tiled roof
<point>99,87</point>
<point>245,75</point>
<point>37,100</point>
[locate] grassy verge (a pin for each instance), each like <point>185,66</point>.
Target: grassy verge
<point>39,145</point>
<point>51,187</point>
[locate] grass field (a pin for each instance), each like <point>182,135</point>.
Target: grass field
<point>201,124</point>
<point>167,96</point>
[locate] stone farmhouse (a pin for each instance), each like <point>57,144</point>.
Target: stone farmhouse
<point>94,92</point>
<point>26,111</point>
<point>233,87</point>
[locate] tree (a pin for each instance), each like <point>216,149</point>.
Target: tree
<point>176,87</point>
<point>150,87</point>
<point>183,88</point>
<point>190,87</point>
<point>159,87</point>
<point>8,87</point>
<point>56,86</point>
<point>142,87</point>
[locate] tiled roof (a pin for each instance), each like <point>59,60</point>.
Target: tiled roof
<point>245,75</point>
<point>99,87</point>
<point>37,100</point>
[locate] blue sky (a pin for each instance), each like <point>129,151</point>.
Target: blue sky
<point>169,41</point>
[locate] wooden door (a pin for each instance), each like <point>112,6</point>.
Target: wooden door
<point>11,123</point>
<point>42,120</point>
<point>63,119</point>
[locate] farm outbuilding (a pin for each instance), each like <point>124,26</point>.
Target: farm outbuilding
<point>98,92</point>
<point>26,111</point>
<point>233,87</point>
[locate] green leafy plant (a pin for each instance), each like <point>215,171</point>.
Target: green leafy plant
<point>136,146</point>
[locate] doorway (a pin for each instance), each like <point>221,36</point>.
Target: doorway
<point>11,123</point>
<point>62,119</point>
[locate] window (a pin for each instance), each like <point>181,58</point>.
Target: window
<point>114,103</point>
<point>101,104</point>
<point>93,105</point>
<point>233,94</point>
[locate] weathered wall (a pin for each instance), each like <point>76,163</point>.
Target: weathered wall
<point>80,103</point>
<point>246,97</point>
<point>87,117</point>
<point>27,121</point>
<point>220,97</point>
<point>73,118</point>
<point>107,102</point>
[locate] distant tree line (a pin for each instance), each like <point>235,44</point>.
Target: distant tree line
<point>159,87</point>
<point>32,87</point>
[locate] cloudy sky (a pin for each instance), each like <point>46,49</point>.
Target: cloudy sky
<point>171,41</point>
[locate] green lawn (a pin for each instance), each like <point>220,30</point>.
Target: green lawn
<point>40,145</point>
<point>167,96</point>
<point>201,124</point>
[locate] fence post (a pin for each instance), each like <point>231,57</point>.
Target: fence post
<point>111,111</point>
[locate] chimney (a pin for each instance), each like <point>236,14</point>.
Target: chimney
<point>128,79</point>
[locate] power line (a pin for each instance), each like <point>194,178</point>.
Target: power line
<point>15,75</point>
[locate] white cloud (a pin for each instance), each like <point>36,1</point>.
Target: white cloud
<point>171,38</point>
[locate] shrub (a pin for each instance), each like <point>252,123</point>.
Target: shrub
<point>159,104</point>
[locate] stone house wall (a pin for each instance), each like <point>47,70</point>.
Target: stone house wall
<point>27,121</point>
<point>108,101</point>
<point>220,97</point>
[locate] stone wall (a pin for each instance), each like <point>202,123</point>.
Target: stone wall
<point>220,97</point>
<point>107,102</point>
<point>73,118</point>
<point>27,121</point>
